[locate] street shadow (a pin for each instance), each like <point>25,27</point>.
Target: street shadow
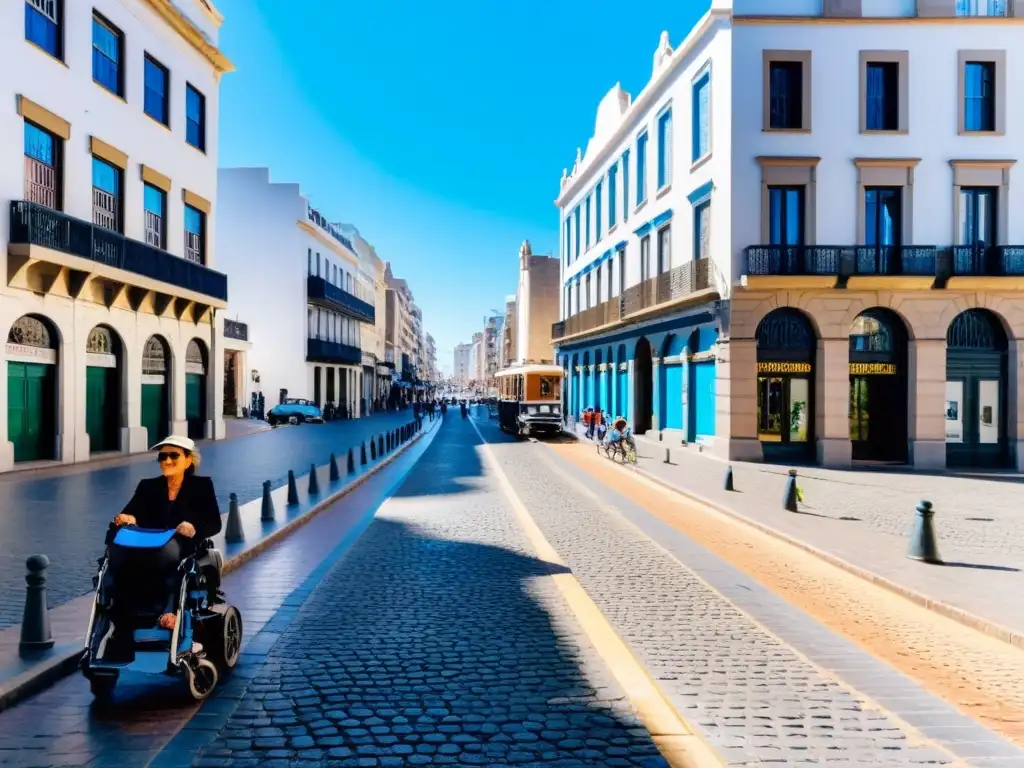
<point>456,457</point>
<point>982,567</point>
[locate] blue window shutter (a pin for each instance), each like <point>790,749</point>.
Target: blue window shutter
<point>665,148</point>
<point>625,185</point>
<point>599,232</point>
<point>587,222</point>
<point>612,174</point>
<point>641,168</point>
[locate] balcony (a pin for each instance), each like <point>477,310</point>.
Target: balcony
<point>319,291</point>
<point>320,351</point>
<point>667,288</point>
<point>236,330</point>
<point>51,252</point>
<point>983,266</point>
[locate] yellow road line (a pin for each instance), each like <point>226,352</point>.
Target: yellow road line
<point>677,742</point>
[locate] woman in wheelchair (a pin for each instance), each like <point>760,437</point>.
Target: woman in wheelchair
<point>179,500</point>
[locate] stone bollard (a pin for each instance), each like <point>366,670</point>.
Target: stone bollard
<point>362,454</point>
<point>373,450</point>
<point>668,455</point>
<point>267,509</point>
<point>923,544</point>
<point>293,490</point>
<point>35,621</point>
<point>351,462</point>
<point>233,532</point>
<point>314,481</point>
<point>335,474</point>
<point>789,500</point>
<point>380,446</point>
<point>728,479</point>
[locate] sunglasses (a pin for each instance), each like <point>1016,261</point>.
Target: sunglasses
<point>171,457</point>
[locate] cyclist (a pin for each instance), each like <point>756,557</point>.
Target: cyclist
<point>622,434</point>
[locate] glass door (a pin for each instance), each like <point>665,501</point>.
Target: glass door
<point>771,407</point>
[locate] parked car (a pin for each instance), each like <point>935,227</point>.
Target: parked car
<point>294,411</point>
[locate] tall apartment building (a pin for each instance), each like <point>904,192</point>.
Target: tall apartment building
<point>110,298</point>
<point>796,242</point>
<point>462,363</point>
<point>536,306</point>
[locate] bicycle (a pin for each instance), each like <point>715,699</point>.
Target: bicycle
<point>619,451</point>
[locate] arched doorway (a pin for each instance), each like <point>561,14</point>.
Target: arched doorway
<point>643,386</point>
<point>231,373</point>
<point>103,390</point>
<point>786,346</point>
<point>976,388</point>
<point>32,343</point>
<point>156,391</point>
<point>195,388</point>
<point>878,387</point>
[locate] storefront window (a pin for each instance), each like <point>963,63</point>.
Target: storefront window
<point>799,399</point>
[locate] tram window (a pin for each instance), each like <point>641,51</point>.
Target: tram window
<point>548,387</point>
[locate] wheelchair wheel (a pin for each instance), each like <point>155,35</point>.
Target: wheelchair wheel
<point>202,677</point>
<point>226,644</point>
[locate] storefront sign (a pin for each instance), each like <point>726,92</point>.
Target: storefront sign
<point>99,360</point>
<point>872,369</point>
<point>23,353</point>
<point>783,367</point>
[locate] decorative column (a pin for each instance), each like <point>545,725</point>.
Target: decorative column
<point>133,435</point>
<point>176,374</point>
<point>591,385</point>
<point>215,427</point>
<point>684,375</point>
<point>656,393</point>
<point>832,403</point>
<point>1015,398</point>
<point>736,401</point>
<point>926,403</point>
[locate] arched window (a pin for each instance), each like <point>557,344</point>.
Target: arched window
<point>30,332</point>
<point>870,333</point>
<point>100,341</point>
<point>975,329</point>
<point>154,356</point>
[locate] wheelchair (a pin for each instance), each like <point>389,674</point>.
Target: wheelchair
<point>142,575</point>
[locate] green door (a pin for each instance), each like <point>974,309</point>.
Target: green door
<point>154,411</point>
<point>194,402</point>
<point>30,411</point>
<point>102,417</point>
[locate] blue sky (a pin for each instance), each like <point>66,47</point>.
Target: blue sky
<point>439,130</point>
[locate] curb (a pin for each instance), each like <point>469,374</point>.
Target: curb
<point>64,659</point>
<point>966,618</point>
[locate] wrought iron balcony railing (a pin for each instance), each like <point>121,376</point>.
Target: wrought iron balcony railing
<point>675,284</point>
<point>319,290</point>
<point>987,260</point>
<point>233,329</point>
<point>34,224</point>
<point>320,351</point>
<point>793,259</point>
<point>841,260</point>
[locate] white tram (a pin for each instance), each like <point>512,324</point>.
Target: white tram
<point>529,399</point>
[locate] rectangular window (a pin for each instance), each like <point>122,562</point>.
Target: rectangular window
<point>154,202</point>
<point>578,292</point>
<point>42,166</point>
<point>702,230</point>
<point>883,217</point>
<point>786,87</point>
<point>980,96</point>
<point>309,261</point>
<point>786,215</point>
<point>611,275</point>
<point>981,7</point>
<point>586,291</point>
<point>978,216</point>
<point>641,168</point>
<point>598,231</point>
<point>597,287</point>
<point>44,25</point>
<point>645,259</point>
<point>577,238</point>
<point>612,191</point>
<point>625,185</point>
<point>586,236</point>
<point>107,55</point>
<point>568,240</point>
<point>568,301</point>
<point>702,116</point>
<point>195,235</point>
<point>155,100</point>
<point>195,118</point>
<point>664,250</point>
<point>665,149</point>
<point>318,264</point>
<point>106,195</point>
<point>883,96</point>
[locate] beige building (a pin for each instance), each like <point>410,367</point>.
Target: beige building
<point>537,306</point>
<point>508,334</point>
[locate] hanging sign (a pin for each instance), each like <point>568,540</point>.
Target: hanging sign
<point>783,366</point>
<point>872,369</point>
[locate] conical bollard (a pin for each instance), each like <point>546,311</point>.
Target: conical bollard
<point>293,490</point>
<point>335,474</point>
<point>233,532</point>
<point>728,479</point>
<point>923,544</point>
<point>351,462</point>
<point>35,621</point>
<point>267,509</point>
<point>387,442</point>
<point>373,450</point>
<point>789,500</point>
<point>380,446</point>
<point>362,454</point>
<point>314,481</point>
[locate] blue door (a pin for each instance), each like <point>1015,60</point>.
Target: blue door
<point>672,395</point>
<point>704,398</point>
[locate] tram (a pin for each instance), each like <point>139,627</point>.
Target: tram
<point>529,399</point>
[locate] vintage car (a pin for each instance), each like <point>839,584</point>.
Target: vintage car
<point>293,410</point>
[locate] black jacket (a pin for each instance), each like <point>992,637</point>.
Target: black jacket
<point>196,503</point>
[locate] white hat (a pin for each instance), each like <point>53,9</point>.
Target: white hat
<point>177,441</point>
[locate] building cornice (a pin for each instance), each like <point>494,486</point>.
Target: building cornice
<point>192,35</point>
<point>316,232</point>
<point>642,103</point>
<point>753,20</point>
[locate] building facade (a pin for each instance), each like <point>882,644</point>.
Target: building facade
<point>299,287</point>
<point>430,373</point>
<point>803,311</point>
<point>375,373</point>
<point>462,363</point>
<point>536,307</point>
<point>507,343</point>
<point>111,301</point>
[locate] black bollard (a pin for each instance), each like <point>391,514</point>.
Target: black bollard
<point>728,479</point>
<point>267,510</point>
<point>335,474</point>
<point>668,456</point>
<point>373,450</point>
<point>351,462</point>
<point>789,500</point>
<point>314,481</point>
<point>923,544</point>
<point>362,454</point>
<point>35,621</point>
<point>387,442</point>
<point>380,446</point>
<point>293,490</point>
<point>233,532</point>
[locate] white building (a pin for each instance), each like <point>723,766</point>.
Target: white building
<point>462,362</point>
<point>108,170</point>
<point>844,282</point>
<point>375,377</point>
<point>296,282</point>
